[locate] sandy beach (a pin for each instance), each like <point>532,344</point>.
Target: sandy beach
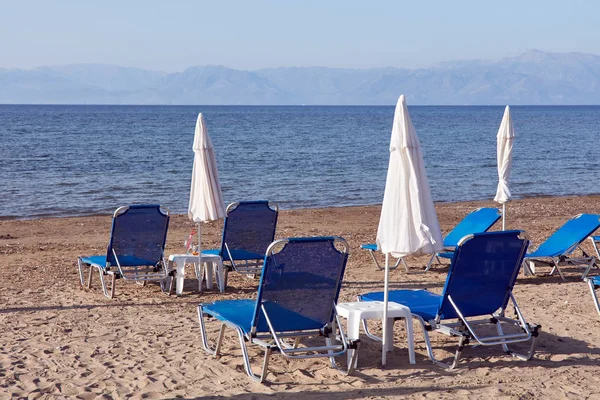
<point>59,340</point>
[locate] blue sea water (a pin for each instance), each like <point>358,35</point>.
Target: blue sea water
<point>80,160</point>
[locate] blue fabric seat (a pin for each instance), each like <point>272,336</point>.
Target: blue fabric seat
<point>477,221</point>
<point>480,280</point>
<point>102,261</point>
<point>248,229</point>
<point>241,313</point>
<point>556,250</point>
<point>135,249</point>
<point>299,287</point>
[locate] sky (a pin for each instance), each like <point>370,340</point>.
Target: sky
<point>173,35</point>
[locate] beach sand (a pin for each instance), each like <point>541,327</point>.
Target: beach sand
<point>59,340</point>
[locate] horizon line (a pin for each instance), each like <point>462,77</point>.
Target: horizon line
<point>294,105</point>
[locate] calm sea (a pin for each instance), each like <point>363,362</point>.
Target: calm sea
<point>80,160</point>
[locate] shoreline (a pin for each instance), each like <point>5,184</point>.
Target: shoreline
<point>488,202</point>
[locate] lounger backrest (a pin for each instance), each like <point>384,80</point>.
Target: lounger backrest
<point>568,236</point>
<point>300,283</point>
<point>138,235</point>
<point>482,274</point>
<point>249,226</point>
<point>477,221</point>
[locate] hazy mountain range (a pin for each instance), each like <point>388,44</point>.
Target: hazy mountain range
<point>534,77</point>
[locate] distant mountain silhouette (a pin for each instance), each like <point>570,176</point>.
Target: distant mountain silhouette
<point>534,77</point>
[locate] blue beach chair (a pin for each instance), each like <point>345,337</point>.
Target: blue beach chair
<point>372,248</point>
<point>477,221</point>
<point>556,250</point>
<point>248,229</point>
<point>297,294</point>
<point>135,250</point>
<point>482,274</point>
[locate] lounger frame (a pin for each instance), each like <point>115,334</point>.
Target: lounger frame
<point>138,273</point>
<point>585,261</point>
<point>275,341</point>
<point>249,267</point>
<point>449,249</point>
<point>465,329</point>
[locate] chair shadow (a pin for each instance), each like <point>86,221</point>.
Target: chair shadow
<point>90,306</point>
<point>473,357</point>
<point>545,277</point>
<point>354,394</point>
<point>548,345</point>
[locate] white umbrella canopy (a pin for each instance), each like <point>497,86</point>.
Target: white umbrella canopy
<point>505,139</point>
<point>408,224</point>
<point>206,199</point>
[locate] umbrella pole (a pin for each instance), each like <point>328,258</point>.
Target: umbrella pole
<point>199,250</point>
<point>199,237</point>
<point>503,216</point>
<point>384,343</point>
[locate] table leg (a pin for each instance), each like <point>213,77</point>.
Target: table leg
<point>410,339</point>
<point>199,275</point>
<point>390,335</point>
<point>208,267</point>
<point>180,277</point>
<point>221,275</point>
<point>353,329</point>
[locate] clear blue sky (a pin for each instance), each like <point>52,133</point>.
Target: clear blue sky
<point>173,35</point>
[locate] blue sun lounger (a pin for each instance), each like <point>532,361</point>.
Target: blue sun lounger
<point>479,220</point>
<point>556,250</point>
<point>479,284</point>
<point>135,250</point>
<point>248,230</point>
<point>298,290</point>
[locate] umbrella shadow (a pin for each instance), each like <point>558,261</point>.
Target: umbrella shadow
<point>552,351</point>
<point>190,288</point>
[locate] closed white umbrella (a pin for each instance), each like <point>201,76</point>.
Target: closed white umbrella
<point>206,199</point>
<point>408,224</point>
<point>505,138</point>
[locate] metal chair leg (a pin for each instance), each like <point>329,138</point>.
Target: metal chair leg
<point>80,269</point>
<point>205,344</point>
<point>589,267</point>
<point>594,296</point>
<point>89,285</point>
<point>263,374</point>
<point>112,287</point>
<point>557,268</point>
<point>103,282</point>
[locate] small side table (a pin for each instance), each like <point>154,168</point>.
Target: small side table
<point>358,311</point>
<point>209,260</point>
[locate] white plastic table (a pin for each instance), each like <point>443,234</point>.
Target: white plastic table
<point>360,310</point>
<point>209,261</point>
